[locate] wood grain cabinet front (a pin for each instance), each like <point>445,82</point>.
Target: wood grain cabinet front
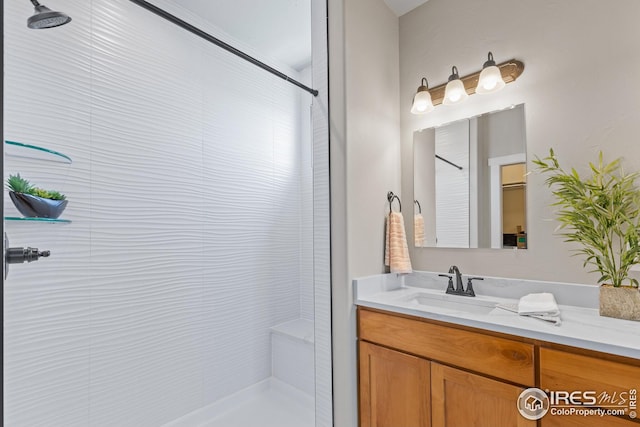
<point>612,384</point>
<point>418,372</point>
<point>463,399</point>
<point>394,388</point>
<point>487,354</point>
<point>404,380</point>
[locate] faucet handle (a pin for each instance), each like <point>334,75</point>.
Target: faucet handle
<point>450,284</point>
<point>469,290</point>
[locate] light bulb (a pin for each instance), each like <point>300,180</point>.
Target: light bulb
<point>490,79</point>
<point>422,103</point>
<point>454,92</point>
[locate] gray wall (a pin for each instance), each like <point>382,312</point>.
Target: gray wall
<point>573,103</point>
<point>580,91</point>
<point>424,152</point>
<point>503,132</point>
<point>365,164</point>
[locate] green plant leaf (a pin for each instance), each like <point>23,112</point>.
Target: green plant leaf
<point>20,185</point>
<point>601,212</point>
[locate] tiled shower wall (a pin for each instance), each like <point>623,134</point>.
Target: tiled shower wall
<point>188,198</point>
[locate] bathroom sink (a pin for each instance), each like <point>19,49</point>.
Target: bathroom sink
<point>424,300</point>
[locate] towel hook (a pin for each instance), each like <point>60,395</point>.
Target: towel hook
<point>419,207</point>
<point>390,198</point>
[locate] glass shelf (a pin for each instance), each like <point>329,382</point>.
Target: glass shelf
<point>47,220</point>
<point>19,149</point>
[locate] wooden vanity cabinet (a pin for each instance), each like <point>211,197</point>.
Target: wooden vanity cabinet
<point>418,373</point>
<point>394,388</point>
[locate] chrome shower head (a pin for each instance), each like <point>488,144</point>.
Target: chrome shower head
<point>46,18</point>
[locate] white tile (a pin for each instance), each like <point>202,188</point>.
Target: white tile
<point>191,221</point>
<point>293,361</point>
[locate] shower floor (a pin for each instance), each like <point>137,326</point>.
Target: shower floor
<point>272,403</point>
<point>278,406</point>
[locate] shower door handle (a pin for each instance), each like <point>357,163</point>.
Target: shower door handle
<point>20,255</point>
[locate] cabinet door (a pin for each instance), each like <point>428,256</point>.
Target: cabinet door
<point>463,399</point>
<point>561,370</point>
<point>394,388</point>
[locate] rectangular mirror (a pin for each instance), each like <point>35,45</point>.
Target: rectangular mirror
<point>470,182</point>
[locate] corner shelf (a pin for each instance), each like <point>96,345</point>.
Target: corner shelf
<point>44,220</point>
<point>33,152</point>
<point>19,149</point>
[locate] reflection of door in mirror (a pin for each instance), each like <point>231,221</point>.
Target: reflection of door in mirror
<point>514,211</point>
<point>505,131</point>
<point>458,182</point>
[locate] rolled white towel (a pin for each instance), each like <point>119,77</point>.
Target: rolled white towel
<point>538,304</point>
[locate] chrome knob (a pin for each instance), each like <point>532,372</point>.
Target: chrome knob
<point>20,255</point>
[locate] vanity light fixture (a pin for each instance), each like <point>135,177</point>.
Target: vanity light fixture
<point>454,93</point>
<point>509,72</point>
<point>422,100</point>
<point>490,79</point>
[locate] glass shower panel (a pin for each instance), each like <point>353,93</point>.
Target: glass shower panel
<point>183,272</point>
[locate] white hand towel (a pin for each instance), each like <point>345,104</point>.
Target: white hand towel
<point>538,304</point>
<point>396,254</point>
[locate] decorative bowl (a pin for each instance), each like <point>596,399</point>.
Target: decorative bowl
<point>37,207</point>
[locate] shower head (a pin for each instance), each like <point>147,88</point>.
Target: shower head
<point>46,18</point>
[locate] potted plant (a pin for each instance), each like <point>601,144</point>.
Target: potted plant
<point>601,213</point>
<point>34,202</point>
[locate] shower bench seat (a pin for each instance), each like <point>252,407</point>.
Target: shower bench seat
<point>292,352</point>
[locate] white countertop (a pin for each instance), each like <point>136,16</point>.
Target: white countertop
<point>581,326</point>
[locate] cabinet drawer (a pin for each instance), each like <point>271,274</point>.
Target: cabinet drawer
<point>498,357</point>
<point>563,371</point>
<point>560,370</point>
